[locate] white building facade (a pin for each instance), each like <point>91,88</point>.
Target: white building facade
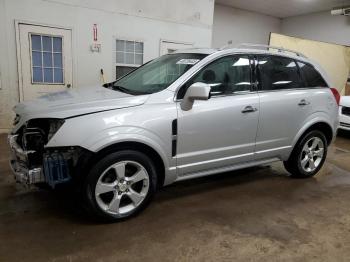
<point>52,45</point>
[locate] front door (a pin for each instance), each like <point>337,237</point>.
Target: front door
<point>219,132</point>
<point>45,60</point>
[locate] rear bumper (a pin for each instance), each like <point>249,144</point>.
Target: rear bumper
<point>20,166</point>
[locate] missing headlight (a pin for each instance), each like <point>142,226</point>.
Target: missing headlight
<point>55,124</point>
<point>48,126</point>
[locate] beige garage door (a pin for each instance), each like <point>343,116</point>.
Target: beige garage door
<point>45,60</point>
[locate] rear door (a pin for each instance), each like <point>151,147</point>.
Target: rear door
<point>284,105</point>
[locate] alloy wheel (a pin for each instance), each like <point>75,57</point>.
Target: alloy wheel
<point>122,187</point>
<point>312,154</point>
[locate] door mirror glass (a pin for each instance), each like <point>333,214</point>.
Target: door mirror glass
<point>197,91</point>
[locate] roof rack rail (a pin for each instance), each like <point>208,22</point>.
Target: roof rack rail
<point>279,49</point>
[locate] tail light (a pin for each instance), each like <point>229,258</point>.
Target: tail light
<point>336,95</point>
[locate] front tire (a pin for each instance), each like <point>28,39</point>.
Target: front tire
<point>308,155</point>
<point>120,185</point>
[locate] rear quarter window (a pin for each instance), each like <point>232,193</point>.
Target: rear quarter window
<point>311,77</point>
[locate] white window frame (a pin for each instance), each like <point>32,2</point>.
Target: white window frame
<point>132,40</point>
<point>42,60</point>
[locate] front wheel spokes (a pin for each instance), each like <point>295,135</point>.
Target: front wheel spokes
<point>319,153</point>
<point>122,187</point>
<point>315,143</point>
<point>114,205</point>
<point>304,161</point>
<point>102,188</point>
<point>135,197</point>
<point>119,169</point>
<point>137,177</point>
<point>312,165</point>
<point>306,148</point>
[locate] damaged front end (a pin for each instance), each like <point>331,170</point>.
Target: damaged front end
<point>33,163</point>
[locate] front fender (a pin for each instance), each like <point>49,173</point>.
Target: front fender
<point>116,135</point>
<point>96,141</point>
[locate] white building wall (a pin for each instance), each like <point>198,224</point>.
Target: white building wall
<point>148,20</point>
<point>319,27</point>
<point>242,26</point>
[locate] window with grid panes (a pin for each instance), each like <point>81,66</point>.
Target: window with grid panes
<point>129,56</point>
<point>46,59</point>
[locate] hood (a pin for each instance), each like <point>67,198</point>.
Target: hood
<point>76,102</point>
<point>345,101</point>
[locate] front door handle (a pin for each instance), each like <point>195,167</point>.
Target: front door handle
<point>303,102</point>
<point>249,109</point>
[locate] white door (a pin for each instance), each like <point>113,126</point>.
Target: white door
<point>45,60</point>
<point>168,47</point>
<point>219,132</point>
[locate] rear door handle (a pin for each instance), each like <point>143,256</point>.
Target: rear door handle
<point>303,102</point>
<point>249,109</point>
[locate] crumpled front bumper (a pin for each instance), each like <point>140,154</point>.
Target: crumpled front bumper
<point>20,166</point>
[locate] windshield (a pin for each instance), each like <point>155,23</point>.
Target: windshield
<point>156,75</point>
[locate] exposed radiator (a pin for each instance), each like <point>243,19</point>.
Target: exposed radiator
<point>56,169</point>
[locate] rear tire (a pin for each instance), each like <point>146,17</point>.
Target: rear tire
<point>120,185</point>
<point>308,155</point>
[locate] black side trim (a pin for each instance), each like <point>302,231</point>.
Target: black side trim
<point>174,127</point>
<point>173,150</point>
<point>173,137</point>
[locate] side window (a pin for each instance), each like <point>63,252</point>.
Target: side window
<point>129,56</point>
<point>227,75</point>
<point>278,73</point>
<point>47,59</point>
<point>311,77</point>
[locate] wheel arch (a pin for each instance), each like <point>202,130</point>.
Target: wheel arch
<point>322,126</point>
<point>131,145</point>
<point>293,164</point>
<point>325,128</point>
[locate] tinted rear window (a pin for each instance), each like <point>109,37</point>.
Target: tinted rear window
<point>311,77</point>
<point>278,73</point>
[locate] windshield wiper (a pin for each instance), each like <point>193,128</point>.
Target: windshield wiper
<point>121,89</point>
<point>128,91</point>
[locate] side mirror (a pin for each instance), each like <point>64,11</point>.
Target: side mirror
<point>197,91</point>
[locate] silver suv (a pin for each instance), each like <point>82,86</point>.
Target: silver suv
<point>181,116</point>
